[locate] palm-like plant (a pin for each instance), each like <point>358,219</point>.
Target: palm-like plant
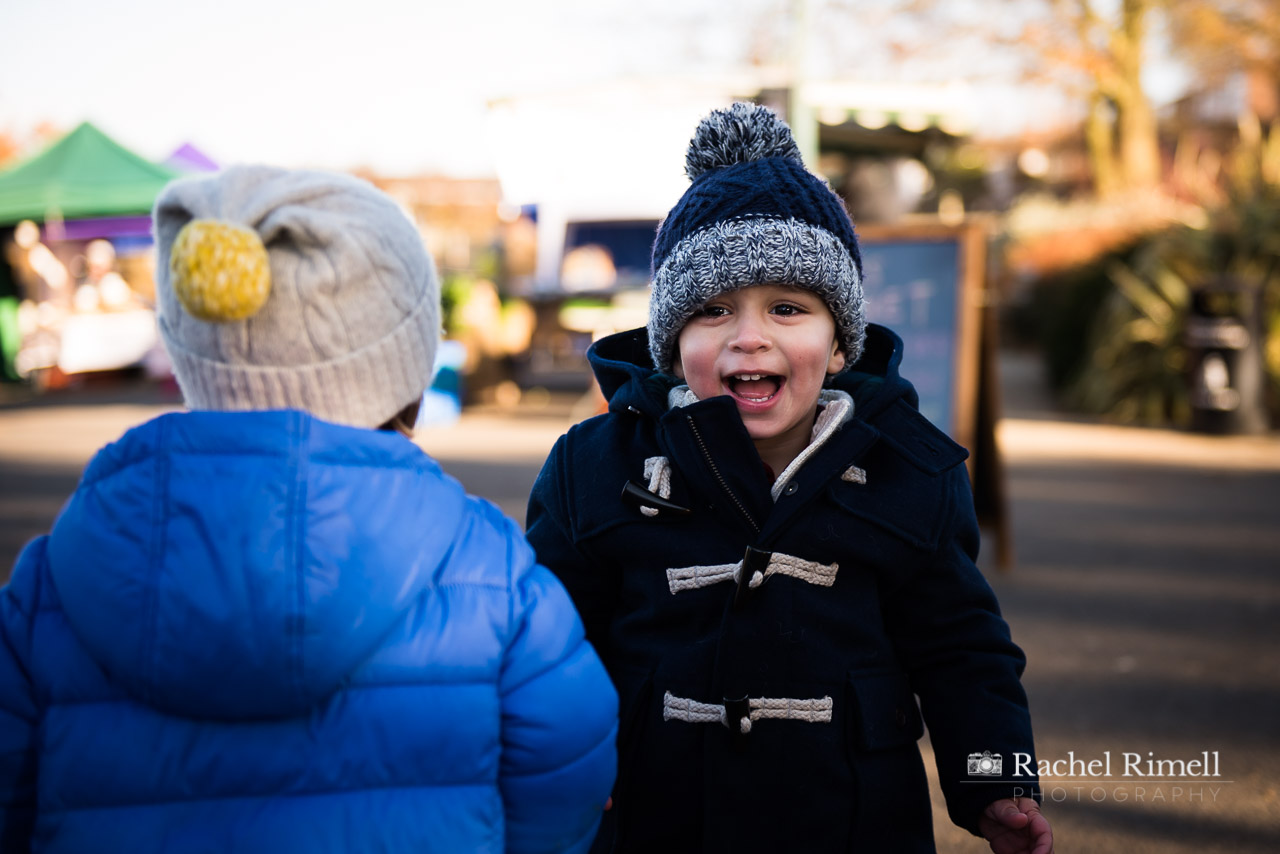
<point>1138,358</point>
<point>1136,371</point>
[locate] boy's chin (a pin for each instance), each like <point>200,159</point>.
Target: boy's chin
<point>760,429</point>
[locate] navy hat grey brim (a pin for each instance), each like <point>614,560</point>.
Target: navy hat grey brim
<point>743,251</point>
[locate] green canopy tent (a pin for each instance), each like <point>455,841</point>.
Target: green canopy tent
<point>84,179</point>
<point>84,174</point>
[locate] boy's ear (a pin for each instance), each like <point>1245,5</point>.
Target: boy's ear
<point>676,367</point>
<point>836,363</point>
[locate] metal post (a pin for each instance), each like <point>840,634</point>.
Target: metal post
<point>801,117</point>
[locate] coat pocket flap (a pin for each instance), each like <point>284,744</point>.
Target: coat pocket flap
<point>897,497</point>
<point>884,713</point>
<point>927,447</point>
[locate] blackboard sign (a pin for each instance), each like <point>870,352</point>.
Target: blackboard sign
<point>924,283</point>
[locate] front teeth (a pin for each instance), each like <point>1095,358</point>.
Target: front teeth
<point>749,377</point>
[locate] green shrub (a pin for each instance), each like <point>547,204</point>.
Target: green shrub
<point>1136,362</point>
<point>1060,312</point>
<point>1112,331</point>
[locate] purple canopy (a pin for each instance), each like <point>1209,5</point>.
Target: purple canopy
<point>104,227</point>
<point>188,158</point>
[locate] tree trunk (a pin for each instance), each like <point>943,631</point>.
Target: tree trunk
<point>1139,141</point>
<point>1101,145</point>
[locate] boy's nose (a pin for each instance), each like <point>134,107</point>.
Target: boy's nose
<point>750,335</point>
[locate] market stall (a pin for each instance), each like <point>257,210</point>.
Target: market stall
<point>73,205</point>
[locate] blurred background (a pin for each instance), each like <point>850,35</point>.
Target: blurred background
<point>1120,158</point>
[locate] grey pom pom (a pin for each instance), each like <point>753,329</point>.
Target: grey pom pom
<point>740,134</point>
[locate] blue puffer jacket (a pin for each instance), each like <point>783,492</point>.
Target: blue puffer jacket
<point>260,632</point>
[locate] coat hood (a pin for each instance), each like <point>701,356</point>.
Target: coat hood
<point>219,565</point>
<point>627,379</point>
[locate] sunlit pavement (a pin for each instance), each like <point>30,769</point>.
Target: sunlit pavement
<point>1145,590</point>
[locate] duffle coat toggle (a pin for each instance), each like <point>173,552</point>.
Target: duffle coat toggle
<point>646,500</point>
<point>655,498</point>
<point>754,565</point>
<point>752,571</point>
<point>740,715</point>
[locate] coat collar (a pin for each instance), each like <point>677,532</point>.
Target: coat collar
<point>707,443</point>
<point>835,408</point>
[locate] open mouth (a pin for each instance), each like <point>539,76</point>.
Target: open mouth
<point>755,388</point>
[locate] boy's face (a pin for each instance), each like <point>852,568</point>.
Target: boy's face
<point>769,347</point>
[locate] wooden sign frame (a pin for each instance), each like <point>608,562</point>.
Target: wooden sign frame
<point>975,396</point>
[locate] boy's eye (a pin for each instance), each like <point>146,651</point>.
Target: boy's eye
<point>712,311</point>
<point>787,309</point>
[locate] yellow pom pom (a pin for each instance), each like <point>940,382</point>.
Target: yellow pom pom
<point>220,270</point>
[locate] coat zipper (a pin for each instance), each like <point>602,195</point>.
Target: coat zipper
<point>719,479</point>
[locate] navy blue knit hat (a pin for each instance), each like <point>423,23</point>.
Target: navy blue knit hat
<point>753,215</point>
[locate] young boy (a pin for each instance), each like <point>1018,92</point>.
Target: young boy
<point>772,550</point>
<point>273,624</point>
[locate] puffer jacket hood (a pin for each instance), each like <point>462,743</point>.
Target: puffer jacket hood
<point>238,621</point>
<point>624,370</point>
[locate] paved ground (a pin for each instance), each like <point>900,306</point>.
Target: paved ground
<point>1146,592</point>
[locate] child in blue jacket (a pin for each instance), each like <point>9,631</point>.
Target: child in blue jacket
<point>774,551</point>
<point>272,623</point>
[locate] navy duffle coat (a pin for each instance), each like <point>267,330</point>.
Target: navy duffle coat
<point>769,652</point>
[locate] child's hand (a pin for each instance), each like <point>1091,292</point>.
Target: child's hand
<point>1016,827</point>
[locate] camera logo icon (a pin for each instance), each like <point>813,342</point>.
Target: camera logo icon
<point>985,764</point>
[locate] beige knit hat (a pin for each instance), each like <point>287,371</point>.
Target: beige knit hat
<point>294,290</point>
